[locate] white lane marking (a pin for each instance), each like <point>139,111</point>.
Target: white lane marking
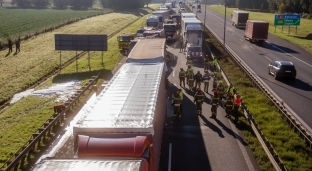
<point>290,54</point>
<point>241,40</point>
<point>268,58</point>
<point>252,47</point>
<point>169,159</point>
<point>173,73</point>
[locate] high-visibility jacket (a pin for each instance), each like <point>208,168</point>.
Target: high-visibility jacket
<point>231,90</point>
<point>190,76</point>
<point>215,61</point>
<point>182,74</point>
<point>181,95</point>
<point>206,77</point>
<point>189,62</point>
<point>229,103</point>
<point>190,70</point>
<point>199,97</point>
<point>238,101</point>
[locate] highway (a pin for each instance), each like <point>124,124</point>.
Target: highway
<point>198,142</point>
<point>296,94</point>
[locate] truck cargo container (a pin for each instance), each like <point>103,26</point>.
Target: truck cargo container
<point>256,31</point>
<point>162,16</point>
<point>153,21</point>
<point>239,18</point>
<point>188,15</point>
<point>127,119</point>
<point>191,29</point>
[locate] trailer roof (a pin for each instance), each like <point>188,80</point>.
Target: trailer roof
<point>148,49</point>
<point>83,164</point>
<point>127,103</point>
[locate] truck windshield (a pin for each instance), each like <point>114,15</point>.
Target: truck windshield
<point>152,24</point>
<point>124,38</point>
<point>169,27</point>
<point>194,49</point>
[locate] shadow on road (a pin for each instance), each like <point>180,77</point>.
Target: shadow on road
<point>212,126</point>
<point>184,138</point>
<point>275,47</point>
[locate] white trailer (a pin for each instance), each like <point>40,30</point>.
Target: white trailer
<point>131,108</point>
<point>191,29</point>
<point>169,5</point>
<point>188,15</point>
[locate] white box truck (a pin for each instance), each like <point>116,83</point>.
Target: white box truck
<point>239,18</point>
<point>191,29</point>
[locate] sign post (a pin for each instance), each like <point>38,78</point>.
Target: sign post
<point>287,20</point>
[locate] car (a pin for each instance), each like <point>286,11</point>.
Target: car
<point>285,69</point>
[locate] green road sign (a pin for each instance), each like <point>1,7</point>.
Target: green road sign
<point>287,20</point>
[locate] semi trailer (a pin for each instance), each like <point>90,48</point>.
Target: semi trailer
<point>256,31</point>
<point>239,18</point>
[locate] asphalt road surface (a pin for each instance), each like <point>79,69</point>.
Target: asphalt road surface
<point>296,94</point>
<point>198,142</point>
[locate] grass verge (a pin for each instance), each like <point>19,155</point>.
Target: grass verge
<point>38,57</point>
<point>293,151</point>
<point>302,39</point>
<point>18,121</point>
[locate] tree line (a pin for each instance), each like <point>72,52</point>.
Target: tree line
<point>281,6</point>
<point>82,4</point>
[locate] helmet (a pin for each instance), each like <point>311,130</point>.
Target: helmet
<point>230,94</point>
<point>220,82</point>
<point>199,89</point>
<point>181,69</point>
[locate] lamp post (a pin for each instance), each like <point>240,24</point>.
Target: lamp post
<point>205,16</point>
<point>224,29</point>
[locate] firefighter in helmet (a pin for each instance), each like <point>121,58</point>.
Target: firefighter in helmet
<point>199,100</point>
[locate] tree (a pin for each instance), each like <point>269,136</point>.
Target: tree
<point>281,8</point>
<point>22,3</point>
<point>40,3</point>
<point>82,4</point>
<point>61,4</point>
<point>1,1</point>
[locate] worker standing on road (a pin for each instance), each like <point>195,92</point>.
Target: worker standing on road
<point>189,70</point>
<point>237,103</point>
<point>198,79</point>
<point>181,97</point>
<point>214,104</point>
<point>182,75</point>
<point>181,47</point>
<point>229,105</point>
<point>199,100</point>
<point>190,76</point>
<point>215,81</point>
<point>214,64</point>
<point>206,63</point>
<point>185,45</point>
<point>221,90</point>
<point>176,105</point>
<point>206,79</point>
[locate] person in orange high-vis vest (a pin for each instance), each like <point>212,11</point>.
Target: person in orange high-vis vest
<point>237,103</point>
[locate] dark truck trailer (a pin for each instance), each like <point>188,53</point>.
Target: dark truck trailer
<point>256,31</point>
<point>239,18</point>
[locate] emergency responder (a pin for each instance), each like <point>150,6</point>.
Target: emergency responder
<point>199,100</point>
<point>231,90</point>
<point>237,103</point>
<point>182,75</point>
<point>189,61</point>
<point>176,105</point>
<point>221,90</point>
<point>214,104</point>
<point>189,70</point>
<point>10,44</point>
<point>182,46</point>
<point>190,78</point>
<point>214,64</point>
<point>206,63</point>
<point>198,79</point>
<point>229,105</point>
<point>181,97</point>
<point>17,45</point>
<point>206,79</point>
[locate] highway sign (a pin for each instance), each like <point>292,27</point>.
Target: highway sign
<point>287,19</point>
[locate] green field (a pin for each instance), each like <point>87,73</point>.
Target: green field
<point>304,33</point>
<point>15,22</point>
<point>19,121</point>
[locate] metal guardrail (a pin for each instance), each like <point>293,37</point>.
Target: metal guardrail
<point>294,123</point>
<point>18,159</point>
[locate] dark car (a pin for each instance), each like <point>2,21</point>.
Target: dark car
<point>282,69</point>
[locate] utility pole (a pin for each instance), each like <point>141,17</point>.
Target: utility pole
<point>205,16</point>
<point>224,29</point>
